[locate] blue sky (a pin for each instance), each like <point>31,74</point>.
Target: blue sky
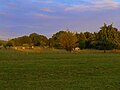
<point>22,17</point>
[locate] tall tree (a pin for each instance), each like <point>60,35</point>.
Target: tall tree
<point>43,41</point>
<point>68,40</point>
<point>38,40</point>
<point>108,37</point>
<point>88,41</point>
<point>54,40</point>
<point>35,38</point>
<point>92,40</point>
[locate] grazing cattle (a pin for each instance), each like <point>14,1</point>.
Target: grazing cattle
<point>16,48</point>
<point>32,47</point>
<point>77,49</point>
<point>23,48</point>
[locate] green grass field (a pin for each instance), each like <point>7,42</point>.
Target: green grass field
<point>59,71</point>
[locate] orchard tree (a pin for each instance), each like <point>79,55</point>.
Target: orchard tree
<point>68,41</point>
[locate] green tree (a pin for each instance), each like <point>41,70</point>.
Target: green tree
<point>35,39</point>
<point>54,40</point>
<point>9,44</point>
<point>38,40</point>
<point>82,44</point>
<point>108,37</point>
<point>81,40</point>
<point>1,43</point>
<point>118,47</point>
<point>92,40</point>
<point>43,41</point>
<point>80,36</point>
<point>88,35</point>
<point>68,40</point>
<point>19,41</point>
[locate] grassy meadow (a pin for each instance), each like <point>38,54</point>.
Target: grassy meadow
<point>59,70</point>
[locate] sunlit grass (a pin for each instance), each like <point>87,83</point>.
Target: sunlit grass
<point>59,70</point>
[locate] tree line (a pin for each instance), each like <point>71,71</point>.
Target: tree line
<point>107,38</point>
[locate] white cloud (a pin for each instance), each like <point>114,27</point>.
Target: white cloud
<point>42,16</point>
<point>94,5</point>
<point>46,9</point>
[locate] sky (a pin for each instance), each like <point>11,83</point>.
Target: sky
<point>46,17</point>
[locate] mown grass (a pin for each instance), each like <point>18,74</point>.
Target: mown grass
<point>59,70</point>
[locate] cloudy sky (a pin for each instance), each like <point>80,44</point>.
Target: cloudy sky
<point>22,17</point>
